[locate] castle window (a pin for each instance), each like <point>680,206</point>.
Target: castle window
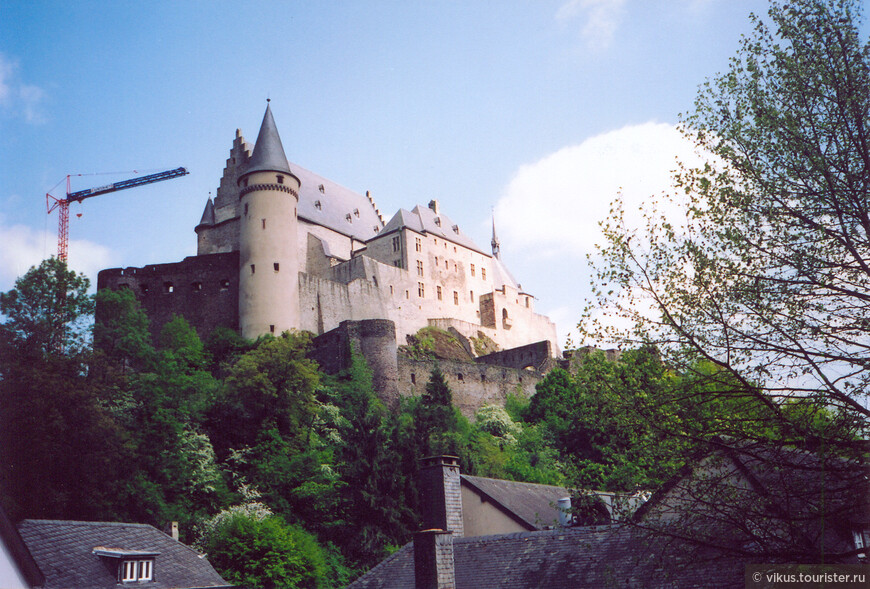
<point>396,243</point>
<point>527,302</point>
<point>271,329</point>
<point>438,292</point>
<point>419,245</point>
<point>196,286</point>
<point>317,205</point>
<point>436,241</point>
<point>436,260</point>
<point>356,213</point>
<point>348,218</point>
<point>421,290</point>
<point>264,223</point>
<point>376,229</point>
<point>438,221</point>
<point>375,280</point>
<point>397,263</point>
<point>445,264</point>
<point>483,273</point>
<point>321,189</point>
<point>419,267</point>
<point>471,295</point>
<point>143,288</point>
<point>168,287</point>
<point>455,298</point>
<point>456,229</point>
<point>246,209</point>
<point>253,268</point>
<point>472,269</point>
<point>459,376</point>
<point>280,179</point>
<point>225,284</point>
<point>275,266</point>
<point>413,378</point>
<point>391,289</point>
<point>407,294</point>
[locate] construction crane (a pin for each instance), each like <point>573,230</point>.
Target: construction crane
<point>52,202</point>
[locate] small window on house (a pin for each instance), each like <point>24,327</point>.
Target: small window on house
<point>421,290</point>
<point>276,265</point>
<point>317,205</point>
<point>419,244</point>
<point>419,267</point>
<point>225,284</point>
<point>472,269</point>
<point>253,268</point>
<point>455,298</point>
<point>483,273</point>
<point>136,570</point>
<point>168,287</point>
<point>271,329</point>
<point>438,292</point>
<point>280,179</point>
<point>196,286</point>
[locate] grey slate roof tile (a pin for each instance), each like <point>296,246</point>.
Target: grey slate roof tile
<point>64,552</point>
<point>599,557</point>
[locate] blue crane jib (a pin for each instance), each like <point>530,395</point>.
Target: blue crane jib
<point>124,184</point>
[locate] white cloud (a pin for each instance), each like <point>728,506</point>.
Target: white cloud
<point>24,247</point>
<point>599,18</point>
<point>17,97</point>
<point>549,212</point>
<point>556,203</point>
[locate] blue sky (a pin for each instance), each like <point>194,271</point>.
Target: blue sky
<point>540,109</point>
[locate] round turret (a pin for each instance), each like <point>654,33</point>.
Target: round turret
<point>268,253</point>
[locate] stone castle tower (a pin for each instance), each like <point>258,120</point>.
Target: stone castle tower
<point>268,256</point>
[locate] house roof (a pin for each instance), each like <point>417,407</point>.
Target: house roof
<point>424,220</point>
<point>19,553</point>
<point>341,209</point>
<point>531,504</point>
<point>603,556</point>
<point>64,551</point>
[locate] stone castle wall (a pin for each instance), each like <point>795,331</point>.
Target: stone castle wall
<point>202,289</point>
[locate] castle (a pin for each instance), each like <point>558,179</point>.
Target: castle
<point>282,248</point>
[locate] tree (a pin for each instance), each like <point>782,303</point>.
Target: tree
<point>253,552</point>
<point>49,309</point>
<point>766,274</point>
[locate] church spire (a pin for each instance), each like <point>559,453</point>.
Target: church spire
<point>268,151</point>
<point>494,242</point>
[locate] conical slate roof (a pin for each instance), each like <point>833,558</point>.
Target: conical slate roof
<point>208,213</point>
<point>268,151</point>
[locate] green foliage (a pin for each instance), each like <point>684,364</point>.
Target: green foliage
<point>267,553</point>
<point>48,310</point>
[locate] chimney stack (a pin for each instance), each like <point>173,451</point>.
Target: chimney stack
<point>440,495</point>
<point>433,204</point>
<point>433,560</point>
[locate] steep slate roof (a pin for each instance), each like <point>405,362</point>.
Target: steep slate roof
<point>19,553</point>
<point>425,220</point>
<point>532,504</point>
<point>601,557</point>
<point>64,552</point>
<point>336,203</point>
<point>268,151</point>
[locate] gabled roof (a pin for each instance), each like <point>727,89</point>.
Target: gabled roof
<point>64,551</point>
<point>268,151</point>
<point>424,220</point>
<point>603,556</point>
<point>531,504</point>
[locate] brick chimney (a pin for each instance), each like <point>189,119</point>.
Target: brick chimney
<point>433,560</point>
<point>440,495</point>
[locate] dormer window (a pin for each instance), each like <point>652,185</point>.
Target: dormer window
<point>317,205</point>
<point>356,212</point>
<point>134,566</point>
<point>321,189</point>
